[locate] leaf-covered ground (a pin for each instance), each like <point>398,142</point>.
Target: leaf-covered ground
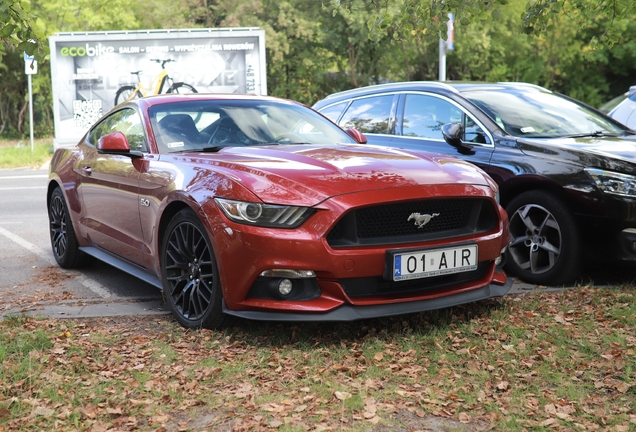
<point>549,361</point>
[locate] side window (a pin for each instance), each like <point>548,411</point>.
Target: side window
<point>369,115</point>
<point>126,121</point>
<point>424,116</point>
<point>333,112</point>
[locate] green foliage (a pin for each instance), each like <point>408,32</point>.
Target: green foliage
<point>539,17</point>
<point>317,48</point>
<point>20,154</point>
<point>18,29</point>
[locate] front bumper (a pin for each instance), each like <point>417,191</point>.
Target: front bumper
<point>341,273</point>
<point>348,312</point>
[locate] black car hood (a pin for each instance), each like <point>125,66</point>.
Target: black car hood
<point>613,153</point>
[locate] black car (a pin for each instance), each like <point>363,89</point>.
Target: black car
<point>567,173</point>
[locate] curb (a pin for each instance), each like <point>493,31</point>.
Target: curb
<point>95,310</point>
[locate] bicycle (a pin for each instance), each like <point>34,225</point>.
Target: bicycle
<point>128,92</point>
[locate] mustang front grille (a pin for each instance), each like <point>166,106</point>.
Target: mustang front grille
<point>413,221</point>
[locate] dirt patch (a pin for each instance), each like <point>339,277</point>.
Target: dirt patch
<point>52,276</point>
<point>44,287</point>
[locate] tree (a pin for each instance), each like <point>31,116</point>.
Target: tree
<point>407,18</point>
<point>18,29</point>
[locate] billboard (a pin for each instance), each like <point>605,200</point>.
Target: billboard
<point>90,69</point>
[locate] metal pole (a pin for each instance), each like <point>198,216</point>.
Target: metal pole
<point>30,111</point>
<point>442,59</point>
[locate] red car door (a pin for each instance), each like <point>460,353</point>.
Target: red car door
<point>109,189</point>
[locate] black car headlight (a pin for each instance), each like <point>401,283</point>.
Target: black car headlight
<point>266,215</point>
<point>613,183</point>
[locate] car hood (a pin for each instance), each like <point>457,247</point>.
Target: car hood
<point>614,153</point>
<point>308,174</point>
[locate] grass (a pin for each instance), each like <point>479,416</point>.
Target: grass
<point>545,361</point>
<point>18,154</point>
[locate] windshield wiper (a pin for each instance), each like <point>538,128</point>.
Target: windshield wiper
<point>595,134</point>
<point>212,149</point>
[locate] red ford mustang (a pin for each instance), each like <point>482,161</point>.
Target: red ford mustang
<point>261,208</point>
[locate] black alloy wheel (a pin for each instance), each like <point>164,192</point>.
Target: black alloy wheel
<point>544,243</point>
<point>190,275</point>
<point>63,240</point>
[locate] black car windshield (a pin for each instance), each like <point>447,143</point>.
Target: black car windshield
<point>211,124</point>
<point>534,113</point>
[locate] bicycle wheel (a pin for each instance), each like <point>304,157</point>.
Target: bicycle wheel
<point>125,93</point>
<point>181,88</point>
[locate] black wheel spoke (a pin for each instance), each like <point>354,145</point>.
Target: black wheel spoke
<point>57,216</point>
<point>189,271</point>
<point>64,244</point>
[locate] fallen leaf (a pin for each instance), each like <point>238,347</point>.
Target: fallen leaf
<point>548,422</point>
<point>550,409</point>
<point>342,395</point>
<point>43,411</point>
<point>374,420</point>
<point>503,385</point>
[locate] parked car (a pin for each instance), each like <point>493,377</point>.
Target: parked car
<point>567,173</point>
<point>261,208</point>
<point>624,109</point>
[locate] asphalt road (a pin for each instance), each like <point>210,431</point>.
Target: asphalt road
<point>29,276</point>
<point>32,282</point>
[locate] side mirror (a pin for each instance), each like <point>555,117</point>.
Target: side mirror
<point>356,135</point>
<point>453,133</point>
<point>116,143</point>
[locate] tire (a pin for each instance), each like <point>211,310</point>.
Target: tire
<point>181,88</point>
<point>125,93</point>
<point>63,240</point>
<point>191,284</point>
<point>545,244</point>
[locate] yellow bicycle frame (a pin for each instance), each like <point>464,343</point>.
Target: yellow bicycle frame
<point>156,85</point>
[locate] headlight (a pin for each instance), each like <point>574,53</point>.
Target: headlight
<point>267,215</point>
<point>613,183</point>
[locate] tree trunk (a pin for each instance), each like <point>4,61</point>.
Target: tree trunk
<point>353,59</point>
<point>21,116</point>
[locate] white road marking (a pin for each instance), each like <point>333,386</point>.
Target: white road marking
<point>24,176</point>
<point>91,284</point>
<point>23,188</point>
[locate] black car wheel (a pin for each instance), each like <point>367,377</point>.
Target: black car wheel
<point>544,246</point>
<point>190,275</point>
<point>63,240</point>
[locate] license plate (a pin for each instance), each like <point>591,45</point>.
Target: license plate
<point>434,262</point>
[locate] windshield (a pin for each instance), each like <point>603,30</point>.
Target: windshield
<point>209,125</point>
<point>532,113</point>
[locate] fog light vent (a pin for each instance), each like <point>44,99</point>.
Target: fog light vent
<point>289,273</point>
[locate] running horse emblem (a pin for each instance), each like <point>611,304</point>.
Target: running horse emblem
<point>422,219</point>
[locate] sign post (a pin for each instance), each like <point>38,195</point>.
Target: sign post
<point>446,45</point>
<point>30,68</point>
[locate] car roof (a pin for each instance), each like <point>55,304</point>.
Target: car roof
<point>434,86</point>
<point>172,97</point>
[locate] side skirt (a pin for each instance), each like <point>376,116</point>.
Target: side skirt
<point>122,265</point>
